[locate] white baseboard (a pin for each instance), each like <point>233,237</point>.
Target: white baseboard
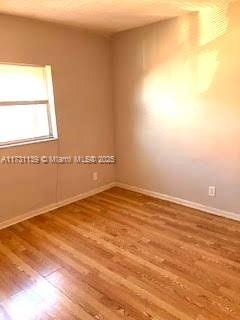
<point>193,205</point>
<point>54,206</point>
<point>190,204</point>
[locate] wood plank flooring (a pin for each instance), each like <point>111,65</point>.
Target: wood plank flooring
<point>121,255</point>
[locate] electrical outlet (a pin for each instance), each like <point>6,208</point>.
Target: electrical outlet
<point>95,176</point>
<point>212,191</point>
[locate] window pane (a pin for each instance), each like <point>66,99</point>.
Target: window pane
<point>23,122</point>
<point>22,83</point>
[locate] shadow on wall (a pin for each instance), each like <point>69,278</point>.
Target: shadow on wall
<point>177,106</point>
<point>189,85</point>
<point>170,89</point>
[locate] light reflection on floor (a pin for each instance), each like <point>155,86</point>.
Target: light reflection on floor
<point>31,303</point>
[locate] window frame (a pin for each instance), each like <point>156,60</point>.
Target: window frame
<point>51,112</point>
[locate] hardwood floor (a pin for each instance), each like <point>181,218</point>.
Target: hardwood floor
<point>121,255</point>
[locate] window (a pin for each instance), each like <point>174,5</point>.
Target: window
<point>27,112</point>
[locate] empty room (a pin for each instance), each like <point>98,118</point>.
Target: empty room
<point>119,160</point>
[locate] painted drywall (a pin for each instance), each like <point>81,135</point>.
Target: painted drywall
<point>177,112</point>
<point>82,85</point>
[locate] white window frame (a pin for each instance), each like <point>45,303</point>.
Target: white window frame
<point>52,124</point>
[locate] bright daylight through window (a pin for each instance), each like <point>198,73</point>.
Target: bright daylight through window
<point>27,112</point>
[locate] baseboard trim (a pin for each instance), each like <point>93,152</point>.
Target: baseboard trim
<point>54,206</point>
<point>51,207</point>
<point>190,204</point>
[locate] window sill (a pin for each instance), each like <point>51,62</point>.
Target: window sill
<point>23,143</point>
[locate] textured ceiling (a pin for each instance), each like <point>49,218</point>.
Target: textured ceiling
<point>106,16</point>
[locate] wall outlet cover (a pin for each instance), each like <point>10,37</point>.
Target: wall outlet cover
<point>95,176</point>
<point>212,191</point>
